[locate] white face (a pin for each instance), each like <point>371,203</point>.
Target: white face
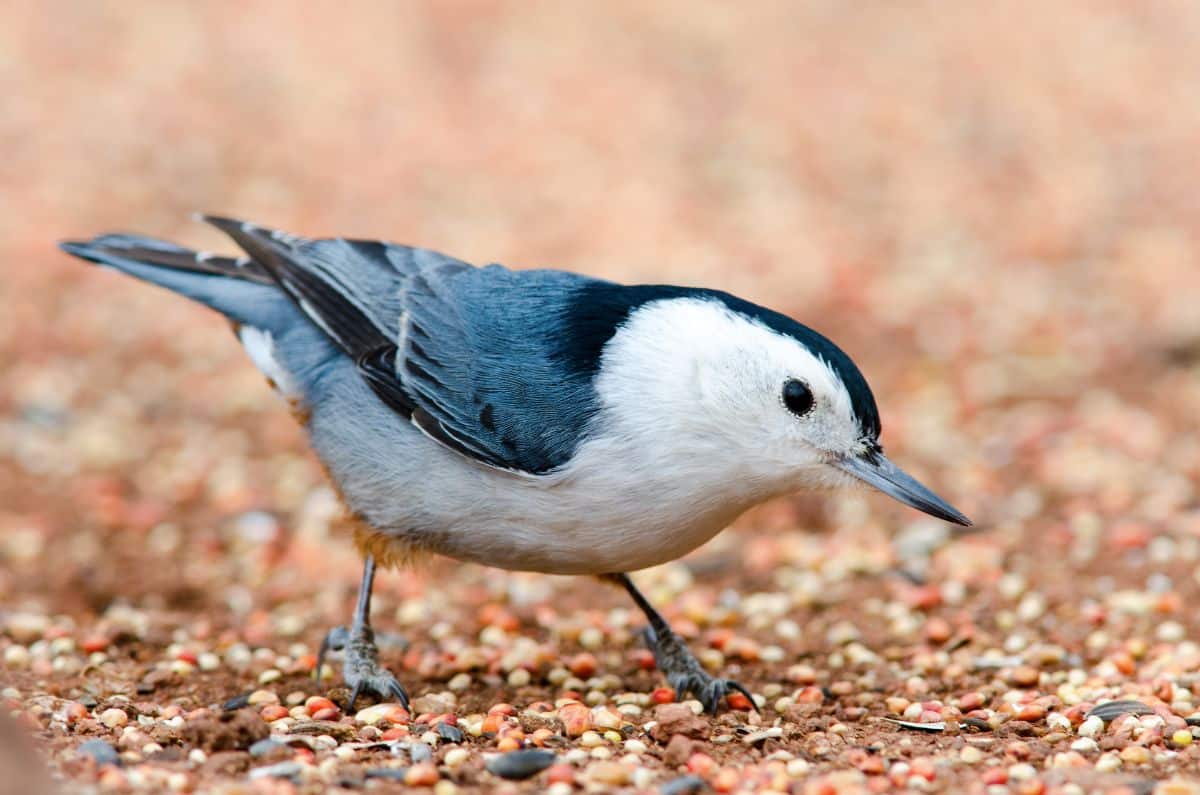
<point>697,379</point>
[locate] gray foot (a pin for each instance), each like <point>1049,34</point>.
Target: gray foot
<point>685,675</point>
<point>361,669</point>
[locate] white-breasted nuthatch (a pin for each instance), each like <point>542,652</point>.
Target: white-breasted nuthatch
<point>533,420</point>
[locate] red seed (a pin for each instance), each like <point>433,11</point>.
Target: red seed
<point>394,733</point>
<point>700,764</point>
<point>1033,786</point>
<point>1031,713</point>
<point>923,766</point>
<point>576,719</point>
<point>995,776</point>
<point>923,597</point>
<point>273,712</point>
<point>94,643</point>
<point>494,615</point>
<point>937,630</point>
<point>421,775</point>
<point>663,695</point>
<point>317,703</point>
<point>333,713</point>
<point>810,695</point>
<point>560,773</point>
<point>738,701</point>
<point>719,638</point>
<point>726,780</point>
<point>583,665</point>
<point>74,711</point>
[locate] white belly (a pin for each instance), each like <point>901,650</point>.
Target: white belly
<point>610,510</point>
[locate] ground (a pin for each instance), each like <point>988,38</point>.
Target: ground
<point>991,207</point>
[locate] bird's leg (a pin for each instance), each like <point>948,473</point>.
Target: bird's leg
<point>361,668</point>
<point>683,671</point>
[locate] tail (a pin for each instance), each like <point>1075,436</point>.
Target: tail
<point>238,288</point>
<point>284,345</point>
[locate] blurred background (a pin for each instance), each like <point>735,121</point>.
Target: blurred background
<point>992,207</point>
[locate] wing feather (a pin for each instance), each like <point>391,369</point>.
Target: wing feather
<point>466,354</point>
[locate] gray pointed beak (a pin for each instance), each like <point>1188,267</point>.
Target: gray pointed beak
<point>876,470</point>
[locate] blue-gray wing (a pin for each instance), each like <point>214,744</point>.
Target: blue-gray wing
<point>480,352</point>
<point>470,355</point>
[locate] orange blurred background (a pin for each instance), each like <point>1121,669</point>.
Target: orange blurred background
<point>993,207</point>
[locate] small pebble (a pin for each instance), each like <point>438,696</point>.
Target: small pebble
<point>287,769</point>
<point>420,752</point>
<point>102,752</point>
<point>685,785</point>
<point>264,747</point>
<point>520,765</point>
<point>451,734</point>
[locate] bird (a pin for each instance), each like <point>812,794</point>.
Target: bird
<point>530,420</point>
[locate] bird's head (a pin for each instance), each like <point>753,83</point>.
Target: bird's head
<point>779,403</point>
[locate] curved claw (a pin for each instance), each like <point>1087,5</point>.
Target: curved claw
<point>399,694</point>
<point>730,684</point>
<point>354,694</point>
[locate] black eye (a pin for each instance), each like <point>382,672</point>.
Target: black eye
<point>797,397</point>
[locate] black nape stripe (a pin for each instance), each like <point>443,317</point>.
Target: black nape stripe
<point>599,308</point>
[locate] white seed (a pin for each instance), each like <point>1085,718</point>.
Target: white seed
<point>455,757</point>
<point>1091,727</point>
